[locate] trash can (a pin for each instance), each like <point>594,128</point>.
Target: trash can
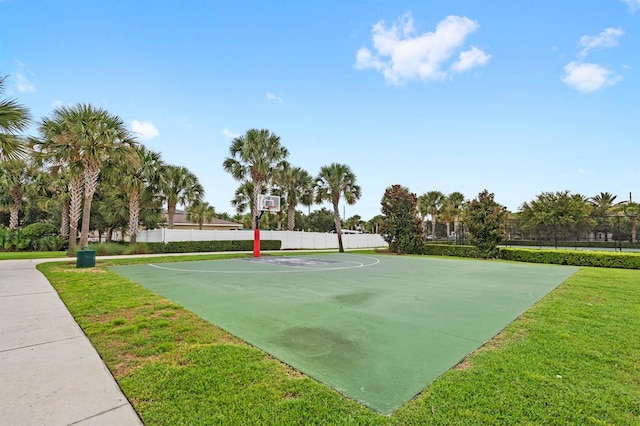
<point>86,258</point>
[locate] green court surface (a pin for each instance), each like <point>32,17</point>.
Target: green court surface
<point>378,328</point>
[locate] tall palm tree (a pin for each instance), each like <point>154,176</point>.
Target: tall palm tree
<point>140,174</point>
<point>201,212</point>
<point>296,185</point>
<point>253,158</point>
<point>14,118</point>
<point>604,205</point>
<point>431,203</point>
<point>337,181</point>
<point>179,185</point>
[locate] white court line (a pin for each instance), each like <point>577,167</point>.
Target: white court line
<point>296,269</point>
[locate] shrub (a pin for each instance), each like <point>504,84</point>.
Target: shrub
<point>210,246</point>
<point>450,250</point>
<point>35,231</point>
<point>569,257</point>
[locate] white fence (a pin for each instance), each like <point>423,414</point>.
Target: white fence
<point>290,239</point>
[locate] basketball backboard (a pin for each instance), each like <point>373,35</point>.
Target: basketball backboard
<point>270,203</point>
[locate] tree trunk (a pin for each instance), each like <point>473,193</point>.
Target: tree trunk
<point>336,221</point>
<point>448,229</point>
<point>14,210</point>
<point>91,173</point>
<point>433,227</point>
<point>75,204</point>
<point>291,218</point>
<point>633,230</point>
<point>134,215</point>
<point>64,224</point>
<point>254,206</point>
<point>171,212</point>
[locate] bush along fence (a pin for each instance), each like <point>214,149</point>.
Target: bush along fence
<point>556,257</point>
<point>210,246</point>
<point>34,237</point>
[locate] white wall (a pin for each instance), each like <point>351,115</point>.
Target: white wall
<point>290,239</point>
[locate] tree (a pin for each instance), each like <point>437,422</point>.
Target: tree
<point>355,223</point>
<point>321,220</point>
<point>373,224</point>
<point>556,215</point>
<point>14,118</point>
<point>401,226</point>
<point>253,158</point>
<point>334,182</point>
<point>431,203</point>
<point>296,187</point>
<point>604,206</point>
<point>140,174</point>
<point>632,211</point>
<point>455,202</point>
<point>178,185</point>
<point>84,138</point>
<point>13,181</point>
<point>200,212</point>
<point>485,220</point>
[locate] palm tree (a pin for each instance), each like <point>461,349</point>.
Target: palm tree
<point>604,204</point>
<point>431,203</point>
<point>13,118</point>
<point>141,174</point>
<point>333,182</point>
<point>455,201</point>
<point>82,138</point>
<point>296,185</point>
<point>253,158</point>
<point>13,182</point>
<point>200,212</point>
<point>179,185</point>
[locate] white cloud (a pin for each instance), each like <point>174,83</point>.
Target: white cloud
<point>24,85</point>
<point>57,103</point>
<point>587,78</point>
<point>276,98</point>
<point>607,38</point>
<point>633,5</point>
<point>145,129</point>
<point>228,133</point>
<point>470,59</point>
<point>401,54</point>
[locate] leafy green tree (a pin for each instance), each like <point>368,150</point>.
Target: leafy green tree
<point>321,220</point>
<point>14,118</point>
<point>337,181</point>
<point>201,212</point>
<point>373,224</point>
<point>431,203</point>
<point>485,220</point>
<point>401,226</point>
<point>556,216</point>
<point>355,223</point>
<point>455,204</point>
<point>178,185</point>
<point>253,157</point>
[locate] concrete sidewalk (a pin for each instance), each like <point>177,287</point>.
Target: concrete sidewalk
<point>49,372</point>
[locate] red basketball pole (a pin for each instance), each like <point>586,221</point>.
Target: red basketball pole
<point>256,241</point>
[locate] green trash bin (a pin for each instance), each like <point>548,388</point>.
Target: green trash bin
<point>86,258</point>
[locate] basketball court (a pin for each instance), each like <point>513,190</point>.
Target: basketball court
<point>377,328</point>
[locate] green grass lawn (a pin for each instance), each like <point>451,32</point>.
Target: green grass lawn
<point>571,359</point>
<point>14,255</point>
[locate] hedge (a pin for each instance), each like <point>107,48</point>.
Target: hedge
<point>432,249</point>
<point>210,246</point>
<point>570,257</point>
<point>556,257</point>
<point>591,244</point>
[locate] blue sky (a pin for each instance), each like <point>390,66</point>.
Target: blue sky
<point>518,97</point>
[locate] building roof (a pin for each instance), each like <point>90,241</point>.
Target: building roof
<point>180,218</point>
